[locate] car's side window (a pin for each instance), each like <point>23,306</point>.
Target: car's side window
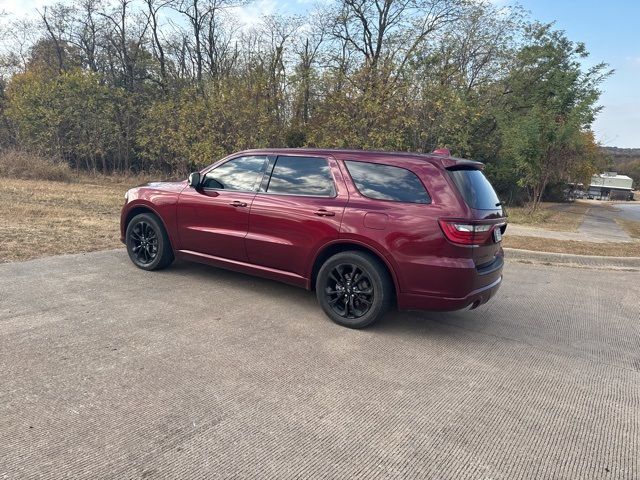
<point>241,174</point>
<point>385,182</point>
<point>302,176</point>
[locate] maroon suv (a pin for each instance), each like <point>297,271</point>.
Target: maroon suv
<point>364,229</point>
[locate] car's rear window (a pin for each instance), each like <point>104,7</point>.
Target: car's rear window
<point>475,188</point>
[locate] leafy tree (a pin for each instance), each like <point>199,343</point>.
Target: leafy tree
<point>69,116</point>
<point>551,102</point>
<point>6,130</point>
<point>172,85</point>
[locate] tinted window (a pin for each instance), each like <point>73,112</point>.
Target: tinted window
<point>240,174</point>
<point>385,182</point>
<point>302,176</point>
<point>475,188</point>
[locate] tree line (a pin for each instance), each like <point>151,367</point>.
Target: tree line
<point>172,85</point>
<point>625,161</point>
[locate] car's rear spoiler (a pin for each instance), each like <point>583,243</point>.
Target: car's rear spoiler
<point>453,163</point>
<point>444,158</point>
<point>466,165</point>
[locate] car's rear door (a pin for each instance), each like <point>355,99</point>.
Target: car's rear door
<point>214,219</point>
<point>298,208</point>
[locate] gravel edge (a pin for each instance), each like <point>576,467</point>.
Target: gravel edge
<point>566,259</point>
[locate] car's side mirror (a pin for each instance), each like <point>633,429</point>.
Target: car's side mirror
<point>194,180</point>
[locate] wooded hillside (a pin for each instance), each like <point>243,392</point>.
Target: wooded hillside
<point>625,161</point>
<point>172,85</point>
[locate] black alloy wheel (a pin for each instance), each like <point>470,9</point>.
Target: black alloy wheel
<point>148,244</point>
<point>349,291</point>
<point>354,288</point>
<point>144,241</point>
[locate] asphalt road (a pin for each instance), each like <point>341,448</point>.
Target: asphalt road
<point>107,371</point>
<point>628,211</point>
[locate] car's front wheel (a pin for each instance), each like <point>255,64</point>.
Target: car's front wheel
<point>147,242</point>
<point>354,289</point>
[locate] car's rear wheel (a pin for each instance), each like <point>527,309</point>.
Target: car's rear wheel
<point>147,242</point>
<point>354,289</point>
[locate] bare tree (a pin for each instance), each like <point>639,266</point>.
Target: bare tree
<point>307,50</point>
<point>277,32</point>
<point>55,30</point>
<point>153,7</point>
<point>126,37</point>
<point>220,40</point>
<point>209,41</point>
<point>196,12</point>
<point>15,51</point>
<point>391,29</point>
<point>87,32</point>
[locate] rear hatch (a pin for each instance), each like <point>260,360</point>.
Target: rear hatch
<point>487,214</point>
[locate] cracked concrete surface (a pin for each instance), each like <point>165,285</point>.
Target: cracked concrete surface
<point>107,371</point>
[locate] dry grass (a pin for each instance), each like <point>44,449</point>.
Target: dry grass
<point>49,209</point>
<point>551,216</point>
<point>630,249</point>
<point>40,218</point>
<point>632,228</point>
<point>20,164</point>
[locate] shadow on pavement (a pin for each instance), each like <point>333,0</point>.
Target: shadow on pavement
<point>395,322</point>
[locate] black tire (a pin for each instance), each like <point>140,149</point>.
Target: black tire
<point>147,242</point>
<point>354,289</point>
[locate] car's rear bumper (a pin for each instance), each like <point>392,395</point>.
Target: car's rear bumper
<point>412,301</point>
<point>476,286</point>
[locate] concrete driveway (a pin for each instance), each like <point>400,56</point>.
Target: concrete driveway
<point>107,371</point>
<point>599,224</point>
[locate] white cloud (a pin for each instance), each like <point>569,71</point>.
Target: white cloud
<point>21,8</point>
<point>250,15</point>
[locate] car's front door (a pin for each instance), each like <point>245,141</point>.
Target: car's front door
<point>297,209</point>
<point>213,219</point>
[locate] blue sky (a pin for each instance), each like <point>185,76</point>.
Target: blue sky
<point>611,31</point>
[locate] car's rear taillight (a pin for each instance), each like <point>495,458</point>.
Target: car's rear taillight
<point>466,233</point>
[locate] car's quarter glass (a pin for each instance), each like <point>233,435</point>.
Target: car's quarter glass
<point>214,218</point>
<point>386,182</point>
<point>300,210</point>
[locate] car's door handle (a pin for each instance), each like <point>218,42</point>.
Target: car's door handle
<point>238,204</point>
<point>325,213</point>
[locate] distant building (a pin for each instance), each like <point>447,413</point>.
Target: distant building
<point>610,185</point>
